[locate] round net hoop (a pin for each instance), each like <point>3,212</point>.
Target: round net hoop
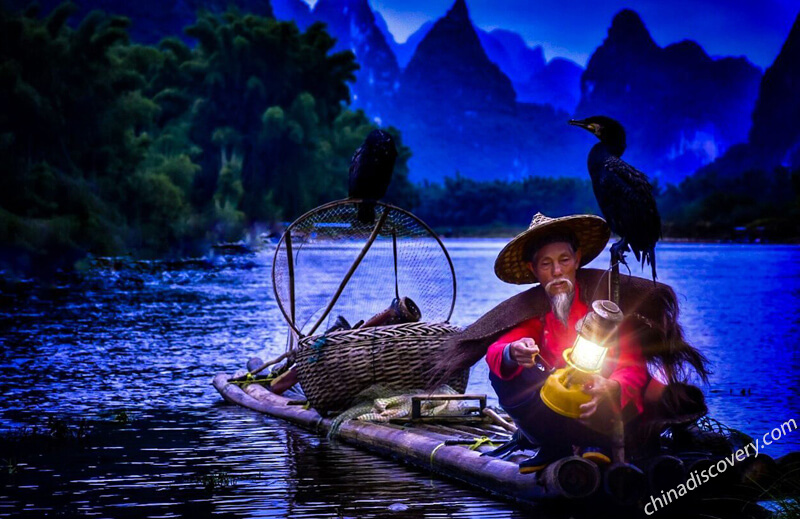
<point>329,264</point>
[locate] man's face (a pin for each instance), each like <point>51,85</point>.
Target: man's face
<point>556,262</point>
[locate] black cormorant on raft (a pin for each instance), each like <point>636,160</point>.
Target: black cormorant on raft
<point>371,172</point>
<point>623,193</point>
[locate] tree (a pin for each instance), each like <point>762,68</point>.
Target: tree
<point>71,135</point>
<point>108,147</point>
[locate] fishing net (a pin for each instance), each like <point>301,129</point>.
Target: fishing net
<point>706,434</point>
<point>332,272</point>
<point>733,438</point>
<point>328,264</point>
<point>379,404</point>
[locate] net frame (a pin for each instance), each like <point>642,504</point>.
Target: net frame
<point>285,246</point>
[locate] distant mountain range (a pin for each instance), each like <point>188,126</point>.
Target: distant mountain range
<point>488,106</point>
<point>774,138</point>
<point>405,50</point>
<point>151,20</point>
<point>681,108</point>
<point>296,10</point>
<point>775,133</point>
<point>459,112</point>
<point>534,79</point>
<point>353,24</point>
<point>450,71</point>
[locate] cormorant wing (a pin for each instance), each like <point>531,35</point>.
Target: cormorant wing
<point>355,181</point>
<point>626,199</point>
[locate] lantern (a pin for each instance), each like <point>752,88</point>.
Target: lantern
<point>597,332</point>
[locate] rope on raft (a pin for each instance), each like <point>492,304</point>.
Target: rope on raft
<point>380,404</point>
<point>250,378</point>
<point>477,443</point>
<point>483,440</point>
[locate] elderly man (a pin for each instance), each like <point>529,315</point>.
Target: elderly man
<point>528,333</point>
<point>550,252</point>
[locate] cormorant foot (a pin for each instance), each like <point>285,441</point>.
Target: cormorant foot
<point>618,251</point>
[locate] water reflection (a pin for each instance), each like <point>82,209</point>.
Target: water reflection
<point>148,342</point>
<point>740,304</point>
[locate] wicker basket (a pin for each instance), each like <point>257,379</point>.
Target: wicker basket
<point>334,368</point>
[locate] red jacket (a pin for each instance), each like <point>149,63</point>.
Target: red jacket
<point>624,363</point>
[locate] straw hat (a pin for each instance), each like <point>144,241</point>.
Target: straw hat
<point>591,231</point>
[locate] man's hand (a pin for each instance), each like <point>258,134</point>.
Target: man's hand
<point>605,400</point>
<point>523,351</point>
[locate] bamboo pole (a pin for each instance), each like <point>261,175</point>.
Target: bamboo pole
<point>617,427</point>
<point>261,368</point>
<point>497,419</point>
<point>663,472</point>
<point>626,483</point>
<point>496,476</point>
<point>290,264</point>
<point>613,283</point>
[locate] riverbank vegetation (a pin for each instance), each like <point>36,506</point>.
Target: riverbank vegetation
<point>111,147</point>
<point>756,205</point>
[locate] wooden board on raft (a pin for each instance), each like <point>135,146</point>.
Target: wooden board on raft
<point>418,446</point>
<point>444,449</point>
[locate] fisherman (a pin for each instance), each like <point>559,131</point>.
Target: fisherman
<point>528,333</point>
<point>550,252</point>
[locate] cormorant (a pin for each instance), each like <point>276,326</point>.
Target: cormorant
<point>623,192</point>
<point>371,171</point>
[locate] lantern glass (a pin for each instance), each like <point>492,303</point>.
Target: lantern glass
<point>587,355</point>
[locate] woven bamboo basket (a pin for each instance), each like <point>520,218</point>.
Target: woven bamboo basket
<point>329,263</point>
<point>334,368</point>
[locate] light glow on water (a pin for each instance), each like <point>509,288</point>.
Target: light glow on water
<point>109,346</point>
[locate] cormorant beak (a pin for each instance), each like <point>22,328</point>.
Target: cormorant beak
<point>592,127</point>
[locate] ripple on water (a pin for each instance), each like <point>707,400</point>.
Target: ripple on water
<point>150,350</point>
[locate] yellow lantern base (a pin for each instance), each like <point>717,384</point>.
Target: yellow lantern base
<point>563,392</point>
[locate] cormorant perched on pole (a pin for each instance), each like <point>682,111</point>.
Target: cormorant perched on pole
<point>623,192</point>
<point>371,171</point>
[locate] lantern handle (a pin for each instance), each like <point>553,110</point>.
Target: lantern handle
<point>542,364</point>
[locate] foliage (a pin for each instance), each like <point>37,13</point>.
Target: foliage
<point>69,115</point>
<point>110,148</point>
<point>267,94</point>
<point>463,202</point>
<point>53,431</point>
<point>709,205</point>
<point>217,480</point>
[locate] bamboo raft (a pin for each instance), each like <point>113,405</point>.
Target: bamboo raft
<point>443,448</point>
<point>448,447</point>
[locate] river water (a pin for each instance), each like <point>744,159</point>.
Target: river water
<point>114,375</point>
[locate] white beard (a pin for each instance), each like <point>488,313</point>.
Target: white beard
<point>561,303</point>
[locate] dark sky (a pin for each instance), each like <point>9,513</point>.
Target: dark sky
<point>574,28</point>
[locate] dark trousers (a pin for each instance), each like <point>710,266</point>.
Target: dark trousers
<point>519,397</point>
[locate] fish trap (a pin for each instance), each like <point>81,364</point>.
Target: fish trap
<point>332,272</point>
